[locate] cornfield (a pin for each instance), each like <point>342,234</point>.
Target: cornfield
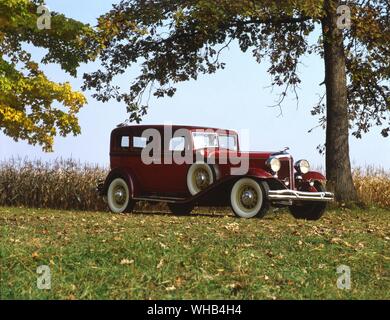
<point>62,184</point>
<point>71,185</point>
<point>373,186</point>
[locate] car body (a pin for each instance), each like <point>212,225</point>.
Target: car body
<point>188,166</point>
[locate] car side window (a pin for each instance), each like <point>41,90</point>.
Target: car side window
<point>177,144</point>
<point>139,142</point>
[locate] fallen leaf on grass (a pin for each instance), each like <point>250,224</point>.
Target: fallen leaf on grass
<point>172,288</point>
<point>160,264</point>
<point>232,226</point>
<point>35,255</point>
<point>234,286</point>
<point>179,281</point>
<point>247,245</point>
<point>164,246</point>
<point>336,241</point>
<point>126,262</point>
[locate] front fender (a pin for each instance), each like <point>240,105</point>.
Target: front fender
<point>120,173</point>
<point>259,173</point>
<point>313,175</point>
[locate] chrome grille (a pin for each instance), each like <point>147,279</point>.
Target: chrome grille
<point>285,173</point>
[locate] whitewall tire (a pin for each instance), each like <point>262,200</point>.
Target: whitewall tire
<point>118,196</point>
<point>248,199</point>
<point>199,177</point>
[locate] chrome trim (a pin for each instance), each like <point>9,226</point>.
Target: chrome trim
<point>160,199</point>
<point>281,156</point>
<point>282,195</point>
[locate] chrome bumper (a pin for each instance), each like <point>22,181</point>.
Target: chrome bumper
<point>293,195</point>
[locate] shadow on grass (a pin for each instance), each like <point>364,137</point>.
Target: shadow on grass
<point>218,215</point>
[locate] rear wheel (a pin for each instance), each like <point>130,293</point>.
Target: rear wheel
<point>311,210</point>
<point>180,209</point>
<point>248,199</point>
<point>118,197</point>
<point>199,177</point>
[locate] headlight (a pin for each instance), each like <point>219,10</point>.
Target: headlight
<point>274,164</point>
<point>302,166</point>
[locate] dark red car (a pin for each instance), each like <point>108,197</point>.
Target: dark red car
<point>187,166</point>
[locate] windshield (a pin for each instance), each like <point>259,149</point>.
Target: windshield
<point>228,142</point>
<point>204,140</point>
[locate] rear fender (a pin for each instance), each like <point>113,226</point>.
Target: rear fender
<point>124,174</point>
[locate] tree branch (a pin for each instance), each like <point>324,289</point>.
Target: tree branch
<point>276,20</point>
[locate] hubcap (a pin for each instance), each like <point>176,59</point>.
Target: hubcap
<point>202,179</point>
<point>120,195</point>
<point>248,197</point>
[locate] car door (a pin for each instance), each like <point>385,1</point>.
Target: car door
<point>177,158</point>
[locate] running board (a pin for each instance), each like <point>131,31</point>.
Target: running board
<point>161,199</point>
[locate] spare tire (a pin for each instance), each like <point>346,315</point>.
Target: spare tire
<point>199,177</point>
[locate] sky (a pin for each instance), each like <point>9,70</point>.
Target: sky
<point>238,97</point>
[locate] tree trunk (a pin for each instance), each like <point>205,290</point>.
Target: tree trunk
<point>338,164</point>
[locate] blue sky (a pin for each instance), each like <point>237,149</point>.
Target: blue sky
<point>235,98</point>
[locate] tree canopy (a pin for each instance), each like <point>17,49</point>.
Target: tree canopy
<point>32,107</point>
<point>178,40</point>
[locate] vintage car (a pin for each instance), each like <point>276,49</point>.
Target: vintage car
<point>186,166</point>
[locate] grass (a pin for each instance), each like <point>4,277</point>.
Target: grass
<point>204,256</point>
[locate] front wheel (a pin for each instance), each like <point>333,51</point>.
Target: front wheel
<point>311,211</point>
<point>248,199</point>
<point>118,197</point>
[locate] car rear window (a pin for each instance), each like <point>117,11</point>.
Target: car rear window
<point>125,142</point>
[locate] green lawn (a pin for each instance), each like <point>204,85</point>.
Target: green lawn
<point>204,256</point>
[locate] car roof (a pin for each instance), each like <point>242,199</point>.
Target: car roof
<point>136,129</point>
